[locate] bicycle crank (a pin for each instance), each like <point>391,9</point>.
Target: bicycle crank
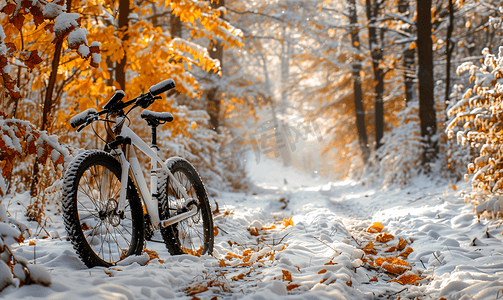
<point>190,209</point>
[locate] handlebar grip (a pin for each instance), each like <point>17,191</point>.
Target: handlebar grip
<point>162,87</point>
<point>118,95</point>
<point>81,118</point>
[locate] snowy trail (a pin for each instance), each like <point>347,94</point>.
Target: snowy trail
<point>259,255</point>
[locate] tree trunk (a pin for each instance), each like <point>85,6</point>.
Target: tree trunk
<point>176,26</point>
<point>213,95</point>
<point>409,57</point>
<point>357,86</point>
<point>120,68</point>
<point>373,7</point>
<point>48,101</point>
<point>427,112</point>
<point>448,52</point>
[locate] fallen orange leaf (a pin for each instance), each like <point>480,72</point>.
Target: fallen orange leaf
<point>407,279</point>
<point>322,271</point>
<point>369,249</point>
<point>392,249</point>
<point>215,230</point>
<point>238,277</point>
<point>401,244</point>
<point>375,228</point>
<point>222,263</point>
<point>288,222</point>
<point>253,231</point>
<point>384,237</point>
<point>373,279</point>
<point>287,276</point>
<point>292,286</point>
<point>349,283</point>
<point>406,253</point>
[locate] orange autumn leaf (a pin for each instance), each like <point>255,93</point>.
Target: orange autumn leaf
<point>375,228</point>
<point>247,252</point>
<point>391,249</point>
<point>406,253</point>
<point>349,283</point>
<point>197,289</point>
<point>369,249</point>
<point>288,222</point>
<point>253,231</point>
<point>384,237</point>
<point>32,243</point>
<point>401,244</point>
<point>392,264</point>
<point>268,227</point>
<point>215,230</point>
<point>287,276</point>
<point>373,279</point>
<point>391,260</point>
<point>238,277</point>
<point>407,279</point>
<point>322,271</point>
<point>222,263</point>
<point>331,262</point>
<point>292,286</point>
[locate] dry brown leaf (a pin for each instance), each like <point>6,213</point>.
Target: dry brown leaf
<point>292,286</point>
<point>401,244</point>
<point>215,230</point>
<point>222,263</point>
<point>349,283</point>
<point>392,249</point>
<point>375,228</point>
<point>238,277</point>
<point>373,279</point>
<point>369,249</point>
<point>406,253</point>
<point>322,271</point>
<point>407,279</point>
<point>197,289</point>
<point>287,276</point>
<point>109,273</point>
<point>253,231</point>
<point>331,262</point>
<point>384,237</point>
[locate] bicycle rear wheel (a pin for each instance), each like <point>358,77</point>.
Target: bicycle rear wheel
<point>195,234</point>
<point>99,234</point>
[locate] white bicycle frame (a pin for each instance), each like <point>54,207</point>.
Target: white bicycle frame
<point>148,197</point>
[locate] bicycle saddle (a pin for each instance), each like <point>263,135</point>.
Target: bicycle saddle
<point>158,116</point>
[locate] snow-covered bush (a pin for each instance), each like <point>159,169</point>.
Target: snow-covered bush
<point>477,125</point>
<point>16,270</point>
<point>401,153</point>
<point>21,142</point>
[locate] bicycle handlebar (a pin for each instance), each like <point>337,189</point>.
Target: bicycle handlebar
<point>162,87</point>
<point>81,118</point>
<point>144,100</point>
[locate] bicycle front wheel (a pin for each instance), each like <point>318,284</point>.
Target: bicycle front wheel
<point>195,234</point>
<point>100,235</point>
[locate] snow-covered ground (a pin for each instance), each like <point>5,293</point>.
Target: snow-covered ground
<point>260,255</point>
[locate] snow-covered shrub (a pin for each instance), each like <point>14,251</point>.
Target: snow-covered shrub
<point>477,125</point>
<point>401,153</point>
<point>16,270</point>
<point>457,156</point>
<point>21,142</point>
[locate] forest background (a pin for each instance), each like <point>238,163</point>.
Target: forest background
<point>337,88</point>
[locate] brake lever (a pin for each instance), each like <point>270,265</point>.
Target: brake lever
<point>89,121</point>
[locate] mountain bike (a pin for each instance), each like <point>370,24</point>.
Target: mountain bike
<point>105,217</point>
